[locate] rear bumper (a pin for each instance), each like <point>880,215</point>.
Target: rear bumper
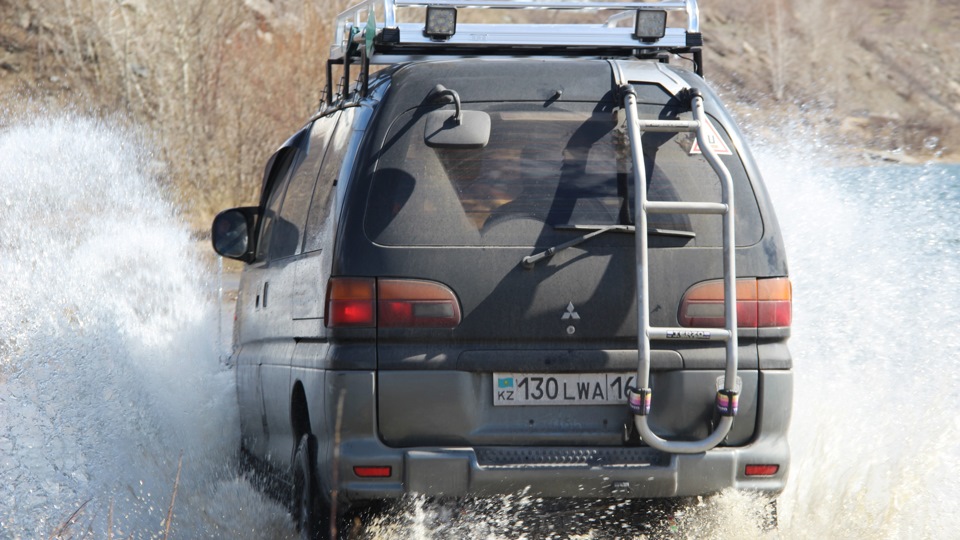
<point>457,472</point>
<point>589,472</point>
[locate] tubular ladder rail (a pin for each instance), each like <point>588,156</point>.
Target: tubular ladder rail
<point>640,397</point>
<point>397,37</point>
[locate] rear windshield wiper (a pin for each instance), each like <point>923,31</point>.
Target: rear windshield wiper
<point>596,230</point>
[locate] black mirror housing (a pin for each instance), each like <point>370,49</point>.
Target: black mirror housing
<point>232,233</point>
<point>444,131</point>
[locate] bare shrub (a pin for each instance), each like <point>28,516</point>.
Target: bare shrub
<point>217,83</point>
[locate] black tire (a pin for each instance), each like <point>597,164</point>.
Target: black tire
<point>770,519</point>
<point>310,510</point>
<point>261,477</point>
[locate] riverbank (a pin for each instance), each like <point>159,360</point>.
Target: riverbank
<point>859,80</point>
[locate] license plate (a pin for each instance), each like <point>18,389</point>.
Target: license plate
<point>561,388</point>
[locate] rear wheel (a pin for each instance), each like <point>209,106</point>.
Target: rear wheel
<point>262,477</point>
<point>771,521</point>
<point>311,512</point>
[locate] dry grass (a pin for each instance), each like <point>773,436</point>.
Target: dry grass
<point>173,498</point>
<point>63,531</point>
<point>879,74</point>
<point>66,529</point>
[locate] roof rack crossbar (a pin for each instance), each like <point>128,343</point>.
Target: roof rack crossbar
<point>540,4</point>
<point>588,35</point>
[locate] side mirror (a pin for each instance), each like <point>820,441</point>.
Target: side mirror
<point>444,131</point>
<point>232,233</point>
<point>465,129</point>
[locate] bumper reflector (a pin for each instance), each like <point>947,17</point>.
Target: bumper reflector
<point>373,471</point>
<point>761,470</point>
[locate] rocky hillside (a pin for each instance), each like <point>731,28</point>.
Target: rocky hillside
<point>881,77</point>
<point>218,83</point>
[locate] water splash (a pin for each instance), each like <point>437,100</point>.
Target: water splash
<point>107,369</point>
<point>877,290</point>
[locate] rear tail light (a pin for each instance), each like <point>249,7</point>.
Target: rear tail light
<point>405,303</point>
<point>761,303</point>
<point>391,303</point>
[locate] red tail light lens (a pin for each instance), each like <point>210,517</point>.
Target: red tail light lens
<point>406,303</point>
<point>350,302</point>
<point>761,303</point>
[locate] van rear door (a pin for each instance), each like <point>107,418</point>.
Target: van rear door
<point>544,351</point>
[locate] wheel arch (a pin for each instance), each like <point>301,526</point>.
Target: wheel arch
<point>299,412</point>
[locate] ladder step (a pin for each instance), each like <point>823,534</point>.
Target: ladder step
<point>689,334</point>
<point>665,207</point>
<point>668,126</point>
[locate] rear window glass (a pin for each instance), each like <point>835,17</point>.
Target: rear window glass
<point>542,172</point>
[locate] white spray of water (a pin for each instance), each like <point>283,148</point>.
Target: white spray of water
<point>877,295</point>
<point>108,372</point>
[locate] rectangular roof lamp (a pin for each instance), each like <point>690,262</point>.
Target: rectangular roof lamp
<point>651,25</point>
<point>441,23</point>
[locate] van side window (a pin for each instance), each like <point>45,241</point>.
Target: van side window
<point>318,220</point>
<point>287,237</point>
<point>279,175</point>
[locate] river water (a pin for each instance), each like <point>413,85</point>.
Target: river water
<point>111,372</point>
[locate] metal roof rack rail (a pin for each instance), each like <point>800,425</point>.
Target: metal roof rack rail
<point>369,32</point>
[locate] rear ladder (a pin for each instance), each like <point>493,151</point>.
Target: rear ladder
<point>640,397</point>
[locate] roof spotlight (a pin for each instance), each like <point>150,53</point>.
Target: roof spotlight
<point>651,25</point>
<point>441,22</point>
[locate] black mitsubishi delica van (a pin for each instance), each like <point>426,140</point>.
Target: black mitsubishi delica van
<point>518,258</point>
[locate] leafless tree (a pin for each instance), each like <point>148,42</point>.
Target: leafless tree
<point>218,83</point>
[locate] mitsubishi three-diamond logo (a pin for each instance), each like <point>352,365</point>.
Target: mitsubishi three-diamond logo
<point>571,313</point>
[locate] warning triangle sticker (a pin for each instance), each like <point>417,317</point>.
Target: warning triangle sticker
<point>714,140</point>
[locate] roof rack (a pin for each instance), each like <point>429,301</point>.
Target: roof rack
<point>369,32</point>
